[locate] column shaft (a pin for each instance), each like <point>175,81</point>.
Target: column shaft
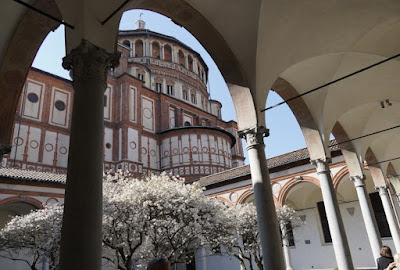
<point>335,222</point>
<point>368,216</point>
<point>81,235</point>
<point>286,249</point>
<point>266,215</point>
<point>387,207</point>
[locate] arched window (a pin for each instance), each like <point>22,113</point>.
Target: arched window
<point>167,53</point>
<point>187,124</point>
<point>127,43</point>
<point>190,60</point>
<point>155,50</point>
<point>181,58</point>
<point>139,48</point>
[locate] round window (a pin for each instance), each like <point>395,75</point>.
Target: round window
<point>60,105</point>
<point>32,97</point>
<point>108,145</point>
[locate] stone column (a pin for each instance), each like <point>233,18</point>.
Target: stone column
<point>266,215</point>
<point>387,207</point>
<point>162,52</point>
<point>336,227</point>
<point>186,61</point>
<point>368,215</point>
<point>81,236</point>
<point>286,249</point>
<point>4,150</point>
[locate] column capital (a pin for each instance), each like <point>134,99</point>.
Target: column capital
<point>322,164</point>
<point>382,190</point>
<point>254,136</point>
<point>88,61</point>
<point>358,180</point>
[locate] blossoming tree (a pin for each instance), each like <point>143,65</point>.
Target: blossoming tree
<point>157,216</point>
<point>33,238</point>
<point>247,246</point>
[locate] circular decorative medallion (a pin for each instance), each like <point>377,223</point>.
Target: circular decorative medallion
<point>63,150</point>
<point>175,151</point>
<point>185,149</point>
<point>212,150</point>
<point>144,150</point>
<point>133,167</point>
<point>147,113</point>
<point>32,97</point>
<point>195,149</point>
<point>132,145</point>
<point>233,196</point>
<point>48,147</point>
<point>205,149</point>
<point>153,153</point>
<point>34,144</point>
<point>60,105</point>
<point>18,141</point>
<point>166,153</point>
<point>51,201</point>
<point>276,188</point>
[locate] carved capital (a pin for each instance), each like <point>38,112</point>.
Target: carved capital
<point>89,62</point>
<point>254,136</point>
<point>322,164</point>
<point>358,180</point>
<point>382,190</point>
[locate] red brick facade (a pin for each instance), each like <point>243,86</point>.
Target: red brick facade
<point>158,115</point>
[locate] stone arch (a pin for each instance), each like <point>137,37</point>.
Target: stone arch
<point>245,196</point>
<point>190,62</point>
<point>127,43</point>
<point>293,182</point>
<point>225,201</point>
<point>29,200</point>
<point>393,177</point>
<point>304,117</point>
<point>139,48</point>
<point>168,53</point>
<point>181,58</point>
<point>339,176</point>
<point>21,50</point>
<point>249,193</point>
<point>155,49</point>
<point>374,168</point>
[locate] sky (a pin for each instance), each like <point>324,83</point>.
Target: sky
<point>285,134</point>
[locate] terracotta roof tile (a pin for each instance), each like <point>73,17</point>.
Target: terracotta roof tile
<point>273,162</point>
<point>33,175</point>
